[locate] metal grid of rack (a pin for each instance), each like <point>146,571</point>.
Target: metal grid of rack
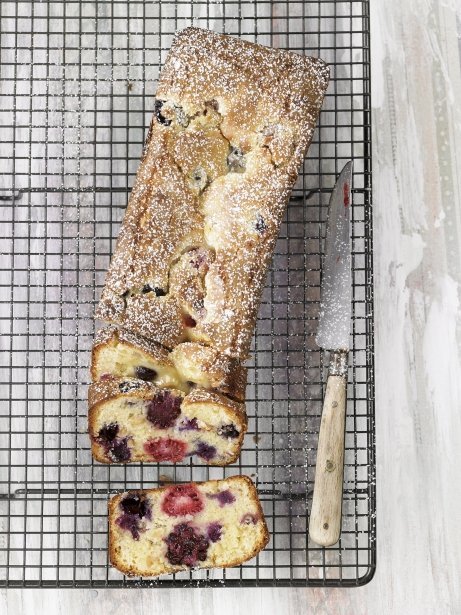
<point>77,87</point>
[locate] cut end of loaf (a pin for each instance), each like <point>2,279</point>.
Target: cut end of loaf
<point>132,420</point>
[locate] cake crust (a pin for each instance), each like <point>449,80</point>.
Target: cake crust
<point>111,334</point>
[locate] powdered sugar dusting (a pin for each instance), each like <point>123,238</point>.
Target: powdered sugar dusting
<point>219,100</point>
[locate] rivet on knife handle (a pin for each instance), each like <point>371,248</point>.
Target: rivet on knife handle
<point>325,519</point>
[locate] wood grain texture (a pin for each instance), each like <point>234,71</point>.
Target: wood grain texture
<point>325,517</point>
<point>416,87</point>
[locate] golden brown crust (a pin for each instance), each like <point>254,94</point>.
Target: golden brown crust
<point>225,374</point>
<point>111,504</point>
<point>252,81</point>
<point>132,571</point>
<point>111,335</point>
<point>263,103</point>
<point>96,451</point>
<point>159,319</point>
<point>107,389</point>
<point>204,397</point>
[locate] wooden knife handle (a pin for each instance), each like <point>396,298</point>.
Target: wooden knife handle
<point>325,519</point>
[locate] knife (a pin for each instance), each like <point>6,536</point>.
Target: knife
<point>333,335</point>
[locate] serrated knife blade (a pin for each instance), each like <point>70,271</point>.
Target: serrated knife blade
<point>336,286</point>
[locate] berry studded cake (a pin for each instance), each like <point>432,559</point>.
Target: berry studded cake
<point>132,420</point>
<point>218,523</point>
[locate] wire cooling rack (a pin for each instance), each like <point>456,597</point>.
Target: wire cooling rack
<point>77,85</point>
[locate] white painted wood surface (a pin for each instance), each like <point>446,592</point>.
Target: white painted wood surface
<point>416,83</point>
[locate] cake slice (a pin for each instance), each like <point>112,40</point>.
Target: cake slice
<point>117,353</point>
<point>133,420</point>
<point>218,523</point>
<point>121,354</point>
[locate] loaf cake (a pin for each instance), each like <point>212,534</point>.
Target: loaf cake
<point>134,420</point>
<point>121,354</point>
<point>218,523</point>
<point>232,123</point>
